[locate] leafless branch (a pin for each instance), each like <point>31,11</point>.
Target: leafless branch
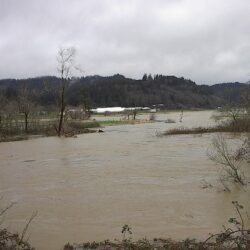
<point>2,211</point>
<point>222,155</point>
<point>27,226</point>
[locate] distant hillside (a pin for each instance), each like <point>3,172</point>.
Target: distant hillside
<point>118,90</point>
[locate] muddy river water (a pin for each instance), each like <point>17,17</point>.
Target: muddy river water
<point>87,188</point>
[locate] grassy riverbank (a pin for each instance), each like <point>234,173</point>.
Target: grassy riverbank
<point>71,128</point>
<point>47,128</point>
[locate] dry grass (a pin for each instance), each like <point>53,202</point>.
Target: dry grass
<point>198,130</point>
<point>239,126</point>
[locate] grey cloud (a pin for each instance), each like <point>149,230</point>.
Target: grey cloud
<point>206,41</point>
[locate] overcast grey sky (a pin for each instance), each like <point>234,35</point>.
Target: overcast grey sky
<point>207,41</point>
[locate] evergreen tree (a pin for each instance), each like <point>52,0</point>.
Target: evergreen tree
<point>145,77</point>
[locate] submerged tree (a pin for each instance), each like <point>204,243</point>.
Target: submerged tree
<point>227,158</point>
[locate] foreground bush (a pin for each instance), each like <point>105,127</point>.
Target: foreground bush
<point>9,241</point>
<point>222,242</point>
<point>237,236</point>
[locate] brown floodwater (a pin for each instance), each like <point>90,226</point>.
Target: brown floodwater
<point>87,188</point>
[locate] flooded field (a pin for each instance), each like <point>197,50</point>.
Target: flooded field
<point>87,188</point>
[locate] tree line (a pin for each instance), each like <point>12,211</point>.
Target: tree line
<point>117,90</point>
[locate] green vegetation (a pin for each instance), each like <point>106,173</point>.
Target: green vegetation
<point>83,124</point>
<point>120,122</point>
<point>114,122</point>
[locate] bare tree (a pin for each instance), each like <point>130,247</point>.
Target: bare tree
<point>181,116</point>
<point>25,104</point>
<point>222,155</point>
<point>9,117</point>
<point>85,103</point>
<point>3,102</point>
<point>235,114</point>
<point>232,113</point>
<point>3,210</point>
<point>65,60</point>
<point>25,229</point>
<point>243,153</point>
<point>134,113</point>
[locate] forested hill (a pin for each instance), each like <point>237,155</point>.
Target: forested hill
<point>117,90</point>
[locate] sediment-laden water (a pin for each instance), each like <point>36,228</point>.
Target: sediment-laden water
<point>87,188</point>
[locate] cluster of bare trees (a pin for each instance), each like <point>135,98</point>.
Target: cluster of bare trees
<point>26,104</point>
<point>230,160</point>
<point>14,114</point>
<point>233,160</point>
<point>19,114</point>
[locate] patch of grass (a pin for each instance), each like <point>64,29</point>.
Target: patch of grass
<point>114,122</point>
<point>83,124</point>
